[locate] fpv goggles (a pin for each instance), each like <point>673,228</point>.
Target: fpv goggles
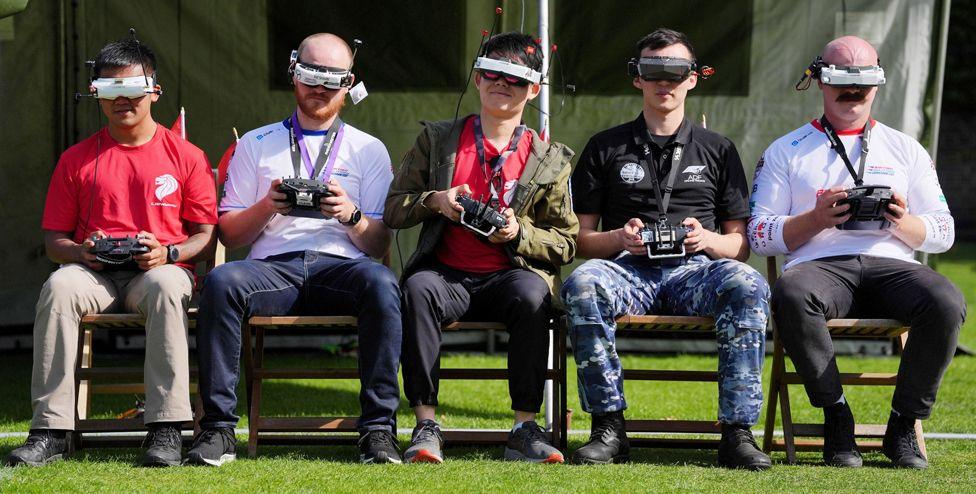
<point>832,75</point>
<point>316,75</point>
<point>125,87</point>
<point>513,73</point>
<point>664,68</point>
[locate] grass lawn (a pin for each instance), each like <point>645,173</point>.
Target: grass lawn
<point>485,404</point>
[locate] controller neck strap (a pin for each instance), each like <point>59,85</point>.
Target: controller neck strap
<point>665,198</point>
<point>838,147</point>
<point>326,157</point>
<point>496,165</point>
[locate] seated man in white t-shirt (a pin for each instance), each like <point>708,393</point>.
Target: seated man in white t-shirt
<point>836,267</point>
<point>304,265</point>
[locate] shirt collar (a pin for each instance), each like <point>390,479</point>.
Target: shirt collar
<point>683,136</point>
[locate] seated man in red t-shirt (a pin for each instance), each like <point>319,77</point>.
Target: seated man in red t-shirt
<point>510,275</point>
<point>138,179</point>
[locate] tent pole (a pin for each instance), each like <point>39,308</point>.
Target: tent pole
<point>545,134</point>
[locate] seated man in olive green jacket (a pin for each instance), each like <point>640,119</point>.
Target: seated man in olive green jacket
<point>507,271</point>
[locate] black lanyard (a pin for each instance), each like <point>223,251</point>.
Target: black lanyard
<point>497,164</point>
<point>299,153</point>
<point>838,147</point>
<point>663,199</point>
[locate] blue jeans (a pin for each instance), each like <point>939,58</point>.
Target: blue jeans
<point>300,283</point>
<point>735,294</point>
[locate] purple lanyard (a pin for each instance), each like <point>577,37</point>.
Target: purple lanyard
<point>498,163</point>
<point>299,152</point>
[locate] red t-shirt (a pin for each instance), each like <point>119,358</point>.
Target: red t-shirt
<point>461,248</point>
<point>156,187</point>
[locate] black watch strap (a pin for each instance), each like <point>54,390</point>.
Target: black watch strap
<point>354,218</point>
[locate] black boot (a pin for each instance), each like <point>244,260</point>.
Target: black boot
<point>608,441</point>
<point>900,443</point>
<point>738,449</point>
<point>43,446</point>
<point>840,450</point>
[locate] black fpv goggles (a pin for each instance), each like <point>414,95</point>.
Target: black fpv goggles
<point>661,68</point>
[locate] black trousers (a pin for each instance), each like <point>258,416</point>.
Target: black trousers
<point>439,295</point>
<point>871,287</point>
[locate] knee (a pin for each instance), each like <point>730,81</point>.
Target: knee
<point>169,283</point>
<point>789,293</point>
<point>584,283</point>
<point>531,295</point>
<point>379,285</point>
<point>223,279</point>
<point>946,303</point>
<point>744,284</point>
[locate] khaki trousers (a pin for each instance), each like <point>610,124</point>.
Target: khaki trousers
<point>162,294</point>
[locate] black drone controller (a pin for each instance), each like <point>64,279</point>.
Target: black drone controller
<point>869,203</point>
<point>116,252</point>
<point>304,195</point>
<point>479,217</point>
<point>664,241</point>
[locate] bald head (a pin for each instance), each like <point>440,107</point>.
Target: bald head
<point>850,51</point>
<point>325,46</point>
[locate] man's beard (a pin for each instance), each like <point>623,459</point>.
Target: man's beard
<point>315,110</point>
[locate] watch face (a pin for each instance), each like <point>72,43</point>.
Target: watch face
<point>172,253</point>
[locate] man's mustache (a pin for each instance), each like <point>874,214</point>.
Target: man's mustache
<point>852,96</point>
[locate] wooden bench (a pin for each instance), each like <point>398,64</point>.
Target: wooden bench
<point>655,326</point>
<point>780,381</point>
<point>342,430</point>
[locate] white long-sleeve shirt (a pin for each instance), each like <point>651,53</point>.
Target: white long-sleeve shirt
<point>798,167</point>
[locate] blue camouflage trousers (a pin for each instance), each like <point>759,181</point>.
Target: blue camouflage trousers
<point>735,294</point>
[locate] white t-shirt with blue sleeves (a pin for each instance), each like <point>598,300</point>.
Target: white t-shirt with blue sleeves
<point>362,168</point>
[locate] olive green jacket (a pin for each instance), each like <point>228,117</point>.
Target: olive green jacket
<point>542,203</point>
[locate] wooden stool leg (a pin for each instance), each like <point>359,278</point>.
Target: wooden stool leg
<point>255,412</point>
<point>921,438</point>
<point>788,441</point>
<point>776,375</point>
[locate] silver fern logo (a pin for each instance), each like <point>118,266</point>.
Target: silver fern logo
<point>166,185</point>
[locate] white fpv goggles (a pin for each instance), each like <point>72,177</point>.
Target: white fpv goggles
<point>315,75</point>
<point>125,87</point>
<point>872,75</point>
<point>496,68</point>
<point>841,76</point>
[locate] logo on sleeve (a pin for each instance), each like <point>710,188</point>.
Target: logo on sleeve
<point>632,173</point>
<point>165,185</point>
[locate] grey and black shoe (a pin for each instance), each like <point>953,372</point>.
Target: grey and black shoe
<point>840,450</point>
<point>426,444</point>
<point>379,446</point>
<point>738,449</point>
<point>529,443</point>
<point>900,443</point>
<point>608,441</point>
<point>163,444</point>
<point>42,446</point>
<point>214,447</point>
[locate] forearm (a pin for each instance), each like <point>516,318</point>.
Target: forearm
<point>61,250</point>
<point>910,230</point>
<point>592,244</point>
<point>799,229</point>
<point>728,246</point>
<point>370,236</point>
<point>242,228</point>
<point>199,246</point>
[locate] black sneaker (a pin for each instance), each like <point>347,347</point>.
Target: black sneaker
<point>900,443</point>
<point>425,444</point>
<point>164,445</point>
<point>42,446</point>
<point>213,447</point>
<point>378,446</point>
<point>608,441</point>
<point>738,449</point>
<point>529,443</point>
<point>840,450</point>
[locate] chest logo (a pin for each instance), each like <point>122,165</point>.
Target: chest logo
<point>165,185</point>
<point>631,173</point>
<point>693,174</point>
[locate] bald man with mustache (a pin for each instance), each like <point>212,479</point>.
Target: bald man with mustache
<point>836,267</point>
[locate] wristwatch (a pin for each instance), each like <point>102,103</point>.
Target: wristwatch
<point>172,254</point>
<point>354,218</point>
